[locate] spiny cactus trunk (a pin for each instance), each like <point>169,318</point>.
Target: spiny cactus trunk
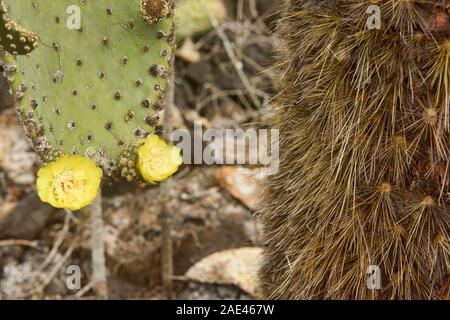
<point>365,137</point>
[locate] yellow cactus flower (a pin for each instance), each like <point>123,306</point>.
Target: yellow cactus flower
<point>157,160</point>
<point>71,182</point>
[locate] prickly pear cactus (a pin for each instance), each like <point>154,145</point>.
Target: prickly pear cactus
<point>95,90</point>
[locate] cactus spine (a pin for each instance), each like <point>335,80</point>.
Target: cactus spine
<point>365,137</point>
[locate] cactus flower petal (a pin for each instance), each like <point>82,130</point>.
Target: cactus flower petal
<point>157,161</point>
<point>71,182</point>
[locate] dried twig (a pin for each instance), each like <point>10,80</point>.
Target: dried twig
<point>238,65</point>
<point>51,275</point>
<point>57,243</point>
<point>18,242</point>
<point>33,288</point>
<point>84,290</point>
<point>166,219</point>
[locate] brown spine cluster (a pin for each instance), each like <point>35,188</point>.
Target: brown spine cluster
<point>153,11</point>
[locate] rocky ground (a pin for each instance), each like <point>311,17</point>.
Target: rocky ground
<point>216,235</point>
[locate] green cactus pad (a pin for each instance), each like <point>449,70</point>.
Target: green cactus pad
<point>94,91</point>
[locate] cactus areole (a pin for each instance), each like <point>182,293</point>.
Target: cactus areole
<point>89,77</point>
